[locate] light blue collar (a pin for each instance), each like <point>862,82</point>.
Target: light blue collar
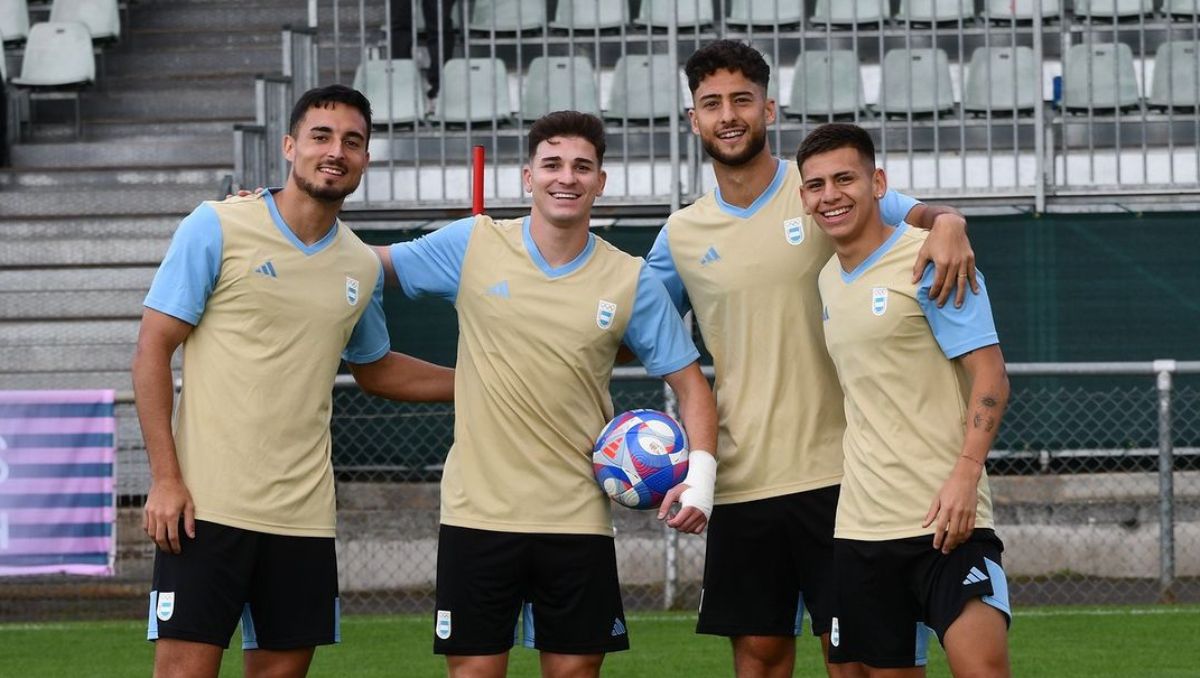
<point>875,256</point>
<point>287,230</point>
<point>555,271</point>
<point>762,199</point>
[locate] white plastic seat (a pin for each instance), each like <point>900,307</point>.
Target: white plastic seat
<point>1183,8</point>
<point>1111,73</point>
<point>508,15</point>
<point>557,84</point>
<point>482,82</point>
<point>690,13</point>
<point>826,83</point>
<point>406,95</point>
<point>1107,9</point>
<point>642,88</point>
<point>1176,68</point>
<point>844,12</point>
<point>100,16</point>
<point>935,11</point>
<point>1001,79</point>
<point>765,12</point>
<point>14,20</point>
<point>916,80</point>
<point>1020,10</point>
<point>589,15</point>
<point>57,55</point>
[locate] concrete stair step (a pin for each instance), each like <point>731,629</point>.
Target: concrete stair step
<point>234,82</point>
<point>243,16</point>
<point>102,129</point>
<point>153,39</point>
<point>83,358</point>
<point>201,150</point>
<point>14,231</point>
<point>128,251</point>
<point>74,280</point>
<point>133,179</point>
<point>103,201</point>
<point>187,60</point>
<point>191,104</point>
<point>119,380</point>
<point>68,333</point>
<point>81,304</point>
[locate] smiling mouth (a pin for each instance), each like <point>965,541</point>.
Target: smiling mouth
<point>729,134</point>
<point>836,212</point>
<point>564,196</point>
<point>332,171</point>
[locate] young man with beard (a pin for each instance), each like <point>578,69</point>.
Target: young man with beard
<point>745,259</point>
<point>267,294</point>
<point>925,389</point>
<point>543,306</point>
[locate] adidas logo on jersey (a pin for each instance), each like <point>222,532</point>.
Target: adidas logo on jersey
<point>500,289</point>
<point>267,269</point>
<point>974,577</point>
<point>618,628</point>
<point>710,257</point>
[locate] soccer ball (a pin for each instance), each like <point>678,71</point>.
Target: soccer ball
<point>639,456</point>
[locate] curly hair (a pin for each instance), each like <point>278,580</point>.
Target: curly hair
<point>729,55</point>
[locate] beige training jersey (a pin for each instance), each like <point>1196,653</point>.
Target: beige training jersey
<point>905,395</point>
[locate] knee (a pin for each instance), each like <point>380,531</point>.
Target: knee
<point>763,651</point>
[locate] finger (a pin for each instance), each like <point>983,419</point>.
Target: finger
<point>943,524</point>
<point>971,273</point>
<point>931,513</point>
<point>669,500</point>
<point>173,535</point>
<point>189,520</point>
<point>948,284</point>
<point>960,294</point>
<point>919,266</point>
<point>160,535</point>
<point>146,522</point>
<point>682,517</point>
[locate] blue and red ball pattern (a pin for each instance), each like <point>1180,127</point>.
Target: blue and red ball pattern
<point>639,456</point>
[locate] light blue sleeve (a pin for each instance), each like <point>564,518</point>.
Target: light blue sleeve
<point>662,265</point>
<point>895,206</point>
<point>656,332</point>
<point>369,341</point>
<point>188,274</point>
<point>432,264</point>
<point>959,330</point>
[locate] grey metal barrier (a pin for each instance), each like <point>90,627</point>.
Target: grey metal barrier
<point>1002,105</point>
<point>1095,478</point>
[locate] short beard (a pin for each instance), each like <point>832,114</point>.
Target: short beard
<point>324,194</point>
<point>758,141</point>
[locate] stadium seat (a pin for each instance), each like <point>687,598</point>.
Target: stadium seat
<point>842,12</point>
<point>556,84</point>
<point>58,61</point>
<point>1108,9</point>
<point>1020,10</point>
<point>1109,69</point>
<point>1181,8</point>
<point>1176,69</point>
<point>508,15</point>
<point>765,12</point>
<point>14,20</point>
<point>642,86</point>
<point>1001,79</point>
<point>691,13</point>
<point>773,84</point>
<point>935,11</point>
<point>374,77</point>
<point>916,80</point>
<point>100,16</point>
<point>589,15</point>
<point>826,83</point>
<point>481,81</point>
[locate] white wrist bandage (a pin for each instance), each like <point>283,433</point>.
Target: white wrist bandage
<point>700,479</point>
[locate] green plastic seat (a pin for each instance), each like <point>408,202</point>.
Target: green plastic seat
<point>556,84</point>
<point>1108,67</point>
<point>826,83</point>
<point>917,81</point>
<point>1001,79</point>
<point>1176,67</point>
<point>391,80</point>
<point>474,90</point>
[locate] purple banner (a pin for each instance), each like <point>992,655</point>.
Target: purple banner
<point>57,464</point>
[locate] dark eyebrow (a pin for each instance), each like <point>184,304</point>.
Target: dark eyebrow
<point>329,130</point>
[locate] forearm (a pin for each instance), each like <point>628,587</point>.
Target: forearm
<point>154,395</point>
<point>697,408</point>
<point>397,376</point>
<point>924,216</point>
<point>986,406</point>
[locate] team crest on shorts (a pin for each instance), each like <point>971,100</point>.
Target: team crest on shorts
<point>605,313</point>
<point>443,624</point>
<point>879,297</point>
<point>166,605</point>
<point>351,291</point>
<point>793,230</point>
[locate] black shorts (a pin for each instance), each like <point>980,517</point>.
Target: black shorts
<point>283,589</point>
<point>564,586</point>
<point>766,561</point>
<point>891,594</point>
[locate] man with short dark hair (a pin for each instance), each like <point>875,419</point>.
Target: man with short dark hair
<point>745,259</point>
<point>267,294</point>
<point>925,389</point>
<point>543,306</point>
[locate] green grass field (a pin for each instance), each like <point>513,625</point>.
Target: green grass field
<point>1158,642</point>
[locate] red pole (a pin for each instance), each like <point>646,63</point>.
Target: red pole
<point>477,157</point>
